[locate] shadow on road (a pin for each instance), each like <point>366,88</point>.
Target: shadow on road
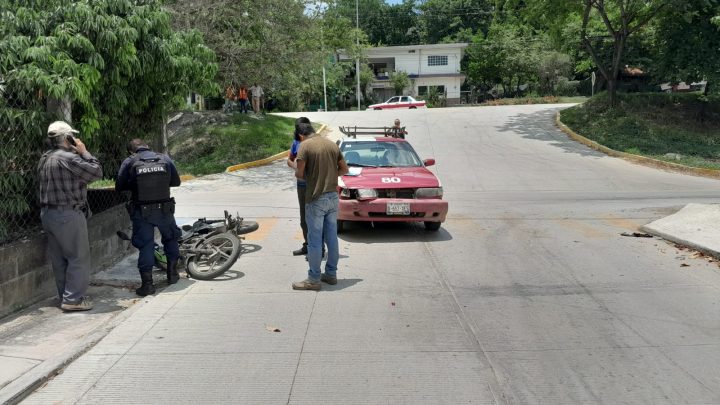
<point>249,248</point>
<point>342,283</point>
<point>391,232</point>
<point>541,126</point>
<point>229,275</point>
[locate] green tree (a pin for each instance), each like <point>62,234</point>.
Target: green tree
<point>602,21</point>
<point>687,44</point>
<point>115,65</point>
<point>400,81</point>
<point>384,24</point>
<point>280,44</point>
<point>453,20</point>
<point>509,56</point>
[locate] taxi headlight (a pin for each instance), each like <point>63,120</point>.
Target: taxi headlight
<point>434,192</point>
<point>345,192</point>
<point>366,193</point>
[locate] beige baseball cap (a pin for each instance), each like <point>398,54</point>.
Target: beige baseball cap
<point>58,128</point>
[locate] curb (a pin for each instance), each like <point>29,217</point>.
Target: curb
<point>681,242</point>
<point>643,160</point>
<point>267,160</point>
<point>18,389</point>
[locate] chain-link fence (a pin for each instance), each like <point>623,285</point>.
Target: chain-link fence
<point>23,127</point>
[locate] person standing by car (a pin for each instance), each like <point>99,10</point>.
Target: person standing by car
<point>301,183</point>
<point>149,176</point>
<point>320,162</point>
<point>64,173</point>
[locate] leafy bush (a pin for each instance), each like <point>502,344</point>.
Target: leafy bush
<point>567,88</point>
<point>654,125</point>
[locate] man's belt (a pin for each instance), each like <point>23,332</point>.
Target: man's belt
<point>64,207</point>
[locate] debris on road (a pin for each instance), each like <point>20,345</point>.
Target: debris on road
<point>272,328</point>
<point>637,234</point>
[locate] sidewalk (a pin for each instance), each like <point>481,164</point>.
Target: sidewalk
<point>696,226</point>
<point>40,340</point>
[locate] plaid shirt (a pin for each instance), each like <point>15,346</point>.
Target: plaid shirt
<point>64,176</point>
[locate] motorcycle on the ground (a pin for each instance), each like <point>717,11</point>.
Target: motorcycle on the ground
<point>208,247</point>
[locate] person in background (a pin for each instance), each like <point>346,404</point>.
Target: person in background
<point>64,173</point>
<point>257,94</point>
<point>243,99</point>
<point>397,131</point>
<point>149,176</point>
<point>230,96</point>
<point>320,162</point>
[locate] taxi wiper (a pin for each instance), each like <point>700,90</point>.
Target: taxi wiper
<point>360,165</point>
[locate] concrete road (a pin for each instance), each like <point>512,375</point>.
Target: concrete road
<point>527,294</point>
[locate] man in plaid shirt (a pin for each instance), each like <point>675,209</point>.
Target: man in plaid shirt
<point>64,173</point>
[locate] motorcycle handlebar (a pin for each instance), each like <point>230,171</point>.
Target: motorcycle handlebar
<point>211,221</point>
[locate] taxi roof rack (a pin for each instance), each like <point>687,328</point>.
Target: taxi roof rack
<point>354,131</point>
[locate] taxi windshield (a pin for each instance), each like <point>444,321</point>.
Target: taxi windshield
<point>380,154</point>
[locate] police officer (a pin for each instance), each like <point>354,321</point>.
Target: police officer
<point>149,176</point>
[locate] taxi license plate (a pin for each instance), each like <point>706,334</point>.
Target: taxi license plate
<point>398,209</point>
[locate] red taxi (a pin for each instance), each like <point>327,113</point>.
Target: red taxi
<point>388,182</point>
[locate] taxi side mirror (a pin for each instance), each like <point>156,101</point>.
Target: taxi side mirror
<point>429,162</point>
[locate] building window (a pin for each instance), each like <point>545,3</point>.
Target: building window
<point>423,90</point>
<point>437,60</point>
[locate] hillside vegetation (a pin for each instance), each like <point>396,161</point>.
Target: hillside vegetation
<point>679,128</point>
<point>207,148</point>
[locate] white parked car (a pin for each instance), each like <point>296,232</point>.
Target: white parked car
<point>398,102</point>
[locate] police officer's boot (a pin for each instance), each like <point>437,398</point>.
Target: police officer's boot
<point>172,273</point>
<point>147,287</point>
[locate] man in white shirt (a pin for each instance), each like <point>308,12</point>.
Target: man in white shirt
<point>257,93</point>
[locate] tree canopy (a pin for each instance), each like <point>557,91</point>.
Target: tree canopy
<point>115,67</point>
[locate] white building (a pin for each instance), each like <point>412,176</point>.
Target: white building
<point>427,65</point>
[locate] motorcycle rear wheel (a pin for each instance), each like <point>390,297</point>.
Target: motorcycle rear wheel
<point>226,247</point>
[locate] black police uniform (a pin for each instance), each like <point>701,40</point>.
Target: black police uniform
<point>149,176</point>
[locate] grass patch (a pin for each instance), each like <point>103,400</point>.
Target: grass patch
<point>535,100</point>
<point>207,149</point>
<point>678,128</point>
<point>105,183</point>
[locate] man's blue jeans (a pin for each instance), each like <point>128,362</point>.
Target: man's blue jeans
<point>321,218</point>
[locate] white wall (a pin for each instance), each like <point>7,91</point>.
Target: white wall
<point>417,63</point>
<point>452,84</point>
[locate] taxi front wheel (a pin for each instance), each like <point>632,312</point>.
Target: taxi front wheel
<point>340,225</point>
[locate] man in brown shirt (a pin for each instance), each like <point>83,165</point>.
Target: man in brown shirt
<point>320,162</point>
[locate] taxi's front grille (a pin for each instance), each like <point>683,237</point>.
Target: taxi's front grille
<point>396,193</point>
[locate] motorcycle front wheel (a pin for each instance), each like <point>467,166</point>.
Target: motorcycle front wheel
<point>225,248</point>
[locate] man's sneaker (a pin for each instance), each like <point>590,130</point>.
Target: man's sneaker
<point>306,284</point>
<point>84,305</point>
<point>300,252</point>
<point>328,279</point>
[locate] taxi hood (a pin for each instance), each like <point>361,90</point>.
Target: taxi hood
<point>390,177</point>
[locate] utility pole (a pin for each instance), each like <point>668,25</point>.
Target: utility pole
<point>357,42</point>
<point>322,44</point>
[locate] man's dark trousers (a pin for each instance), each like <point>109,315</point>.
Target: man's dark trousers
<point>144,223</point>
<point>68,251</point>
